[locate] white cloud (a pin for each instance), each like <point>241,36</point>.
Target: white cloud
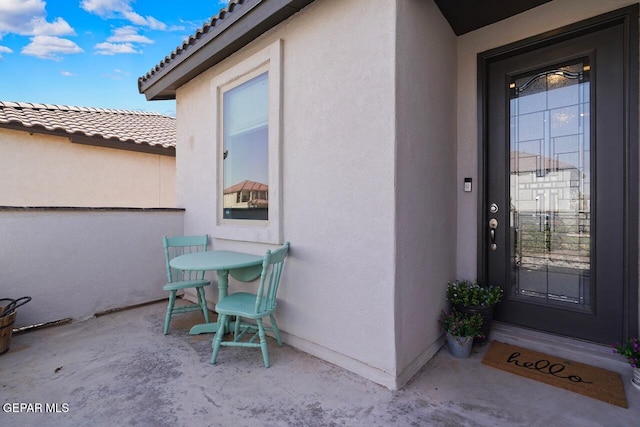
<point>117,74</point>
<point>47,47</point>
<point>4,49</point>
<point>154,24</point>
<point>28,18</point>
<point>178,27</point>
<point>67,73</point>
<point>104,7</point>
<point>109,9</point>
<point>59,27</point>
<point>148,21</point>
<point>128,34</point>
<point>114,48</point>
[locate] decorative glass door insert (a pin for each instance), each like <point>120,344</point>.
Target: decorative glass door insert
<point>550,186</point>
<point>557,187</point>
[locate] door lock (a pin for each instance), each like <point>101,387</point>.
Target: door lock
<point>493,224</point>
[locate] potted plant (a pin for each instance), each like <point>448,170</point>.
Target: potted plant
<point>631,351</point>
<point>460,329</point>
<point>475,298</point>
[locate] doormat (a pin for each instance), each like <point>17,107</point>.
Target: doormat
<point>577,377</point>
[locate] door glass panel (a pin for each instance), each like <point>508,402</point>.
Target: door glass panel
<point>549,180</point>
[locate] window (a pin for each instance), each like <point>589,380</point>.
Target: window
<point>248,148</point>
<point>245,112</point>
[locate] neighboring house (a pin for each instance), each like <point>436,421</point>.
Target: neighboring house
<point>247,198</point>
<point>544,184</point>
<point>550,221</point>
<point>58,155</point>
<point>246,194</point>
<point>368,117</point>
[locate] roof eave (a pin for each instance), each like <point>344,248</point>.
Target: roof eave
<point>236,31</point>
<point>97,141</point>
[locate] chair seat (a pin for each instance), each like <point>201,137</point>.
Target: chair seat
<point>241,304</point>
<point>253,306</point>
<point>173,286</point>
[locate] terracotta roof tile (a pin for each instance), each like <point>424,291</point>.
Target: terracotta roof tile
<point>246,186</point>
<point>526,162</point>
<point>194,39</point>
<point>139,127</point>
<point>232,28</point>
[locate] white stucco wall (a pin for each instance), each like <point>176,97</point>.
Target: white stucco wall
<point>76,262</point>
<point>426,179</point>
<point>379,129</point>
<point>546,17</point>
<point>45,170</point>
<point>338,182</point>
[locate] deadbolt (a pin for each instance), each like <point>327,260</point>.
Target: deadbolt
<point>493,208</point>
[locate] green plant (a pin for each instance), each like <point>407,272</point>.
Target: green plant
<point>460,324</point>
<point>468,294</point>
<point>630,350</point>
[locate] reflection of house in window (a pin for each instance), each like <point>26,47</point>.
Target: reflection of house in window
<point>246,196</point>
<point>541,184</point>
<point>550,206</point>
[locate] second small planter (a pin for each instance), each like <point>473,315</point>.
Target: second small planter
<point>460,328</point>
<point>459,347</point>
<point>486,313</point>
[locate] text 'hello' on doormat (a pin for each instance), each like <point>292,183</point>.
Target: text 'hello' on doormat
<point>584,379</point>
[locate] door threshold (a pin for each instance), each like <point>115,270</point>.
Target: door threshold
<point>590,353</point>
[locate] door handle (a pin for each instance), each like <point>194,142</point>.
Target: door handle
<point>493,224</point>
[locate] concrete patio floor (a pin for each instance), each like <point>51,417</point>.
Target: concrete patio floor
<point>119,370</point>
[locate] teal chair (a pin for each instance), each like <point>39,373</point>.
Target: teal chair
<point>179,279</point>
<point>255,307</point>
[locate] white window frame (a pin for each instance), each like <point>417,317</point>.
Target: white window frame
<point>267,60</point>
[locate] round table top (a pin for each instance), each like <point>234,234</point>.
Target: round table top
<point>215,260</point>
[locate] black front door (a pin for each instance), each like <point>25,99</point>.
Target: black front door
<point>557,178</point>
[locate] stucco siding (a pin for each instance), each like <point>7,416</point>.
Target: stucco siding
<point>337,157</point>
<point>46,170</point>
<point>426,179</point>
<point>77,262</point>
<point>166,181</point>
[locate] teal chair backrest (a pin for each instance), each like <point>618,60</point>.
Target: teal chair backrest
<point>181,245</point>
<point>272,267</point>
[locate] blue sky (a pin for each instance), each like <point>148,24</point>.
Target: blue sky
<point>90,53</point>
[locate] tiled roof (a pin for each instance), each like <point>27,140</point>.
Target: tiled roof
<point>232,28</point>
<point>246,186</point>
<point>527,162</point>
<point>194,40</point>
<point>143,128</point>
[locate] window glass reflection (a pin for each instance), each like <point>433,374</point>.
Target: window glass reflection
<point>245,139</point>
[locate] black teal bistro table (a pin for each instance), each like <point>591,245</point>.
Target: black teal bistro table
<point>241,266</point>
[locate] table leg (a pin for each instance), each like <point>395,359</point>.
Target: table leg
<point>223,286</point>
<point>223,283</point>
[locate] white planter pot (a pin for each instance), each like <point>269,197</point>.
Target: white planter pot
<point>459,347</point>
